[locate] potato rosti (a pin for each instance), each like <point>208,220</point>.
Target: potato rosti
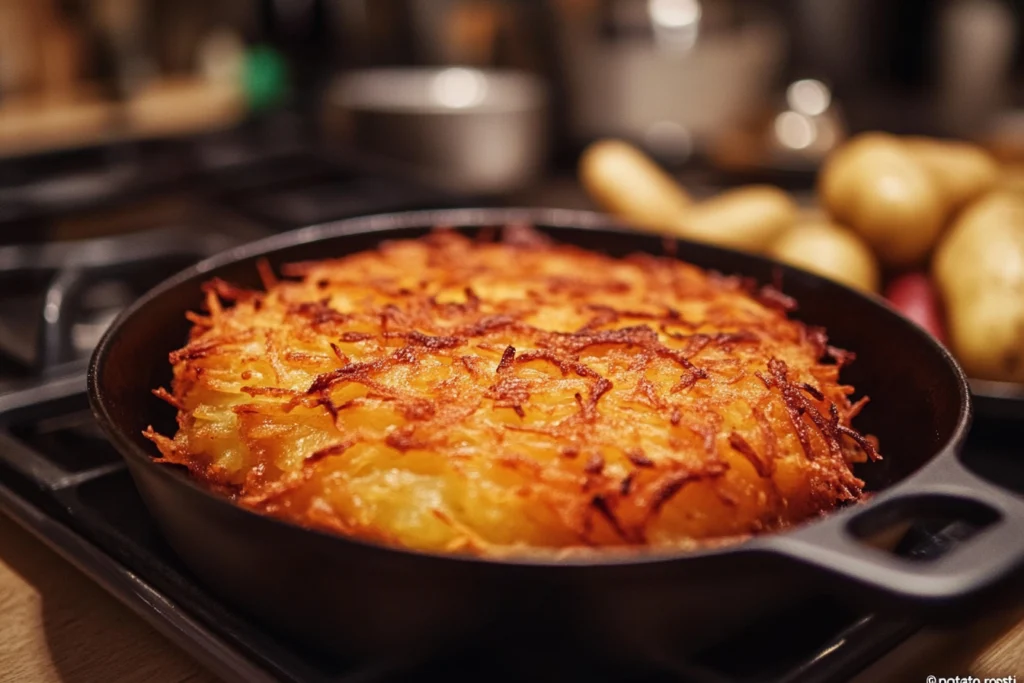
<point>460,395</point>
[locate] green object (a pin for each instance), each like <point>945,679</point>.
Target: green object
<point>264,78</point>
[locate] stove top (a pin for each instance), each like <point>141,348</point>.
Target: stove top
<point>61,479</point>
<point>63,281</point>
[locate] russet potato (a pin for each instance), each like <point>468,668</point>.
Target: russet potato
<point>747,218</point>
<point>879,189</point>
<point>962,171</point>
<point>979,268</point>
<point>625,182</point>
<point>829,250</point>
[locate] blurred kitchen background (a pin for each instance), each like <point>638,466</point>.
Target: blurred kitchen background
<point>144,134</point>
<point>137,93</point>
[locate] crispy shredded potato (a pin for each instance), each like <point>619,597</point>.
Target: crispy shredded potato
<point>488,397</point>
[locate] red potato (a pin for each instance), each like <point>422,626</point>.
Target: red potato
<point>914,295</point>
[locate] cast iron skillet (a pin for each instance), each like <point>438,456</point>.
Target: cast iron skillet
<point>361,600</point>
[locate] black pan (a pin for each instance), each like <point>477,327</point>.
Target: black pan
<point>364,601</point>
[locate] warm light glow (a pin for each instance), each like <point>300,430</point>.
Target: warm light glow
<point>809,97</point>
<point>674,14</point>
<point>676,23</point>
<point>794,130</point>
<point>459,88</point>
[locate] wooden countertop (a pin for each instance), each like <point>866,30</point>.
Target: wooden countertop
<point>57,626</point>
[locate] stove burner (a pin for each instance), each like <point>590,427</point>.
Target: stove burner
<point>88,283</point>
<point>33,189</point>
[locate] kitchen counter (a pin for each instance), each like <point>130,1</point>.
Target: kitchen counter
<point>164,108</point>
<point>58,626</point>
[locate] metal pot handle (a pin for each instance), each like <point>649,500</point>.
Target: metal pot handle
<point>980,563</point>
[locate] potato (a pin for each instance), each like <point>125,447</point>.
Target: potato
<point>625,182</point>
<point>749,218</point>
<point>963,171</point>
<point>883,193</point>
<point>988,341</point>
<point>979,267</point>
<point>838,182</point>
<point>829,250</point>
<point>1011,178</point>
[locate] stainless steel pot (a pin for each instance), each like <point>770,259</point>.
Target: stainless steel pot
<point>470,130</point>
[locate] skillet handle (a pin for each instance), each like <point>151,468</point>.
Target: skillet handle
<point>985,560</point>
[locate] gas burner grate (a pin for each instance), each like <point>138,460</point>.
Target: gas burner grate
<point>71,440</point>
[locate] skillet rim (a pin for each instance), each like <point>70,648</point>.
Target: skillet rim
<point>561,219</point>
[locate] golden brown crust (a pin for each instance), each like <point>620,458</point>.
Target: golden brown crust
<point>453,395</point>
